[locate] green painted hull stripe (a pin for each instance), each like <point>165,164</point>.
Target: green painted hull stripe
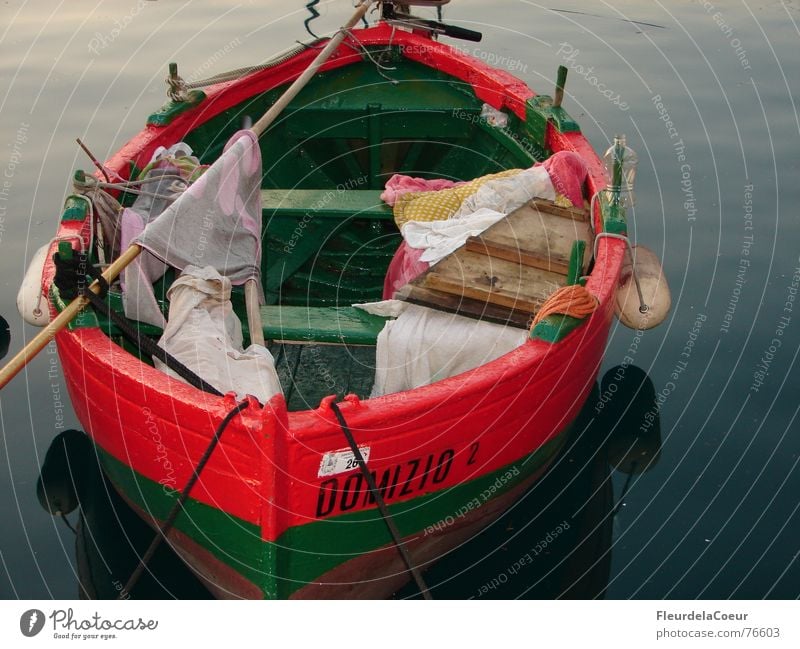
<point>330,542</point>
<point>302,554</point>
<point>230,539</point>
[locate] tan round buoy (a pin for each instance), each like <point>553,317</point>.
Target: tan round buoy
<point>655,291</point>
<point>31,304</point>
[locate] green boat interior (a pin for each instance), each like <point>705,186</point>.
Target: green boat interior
<point>327,236</point>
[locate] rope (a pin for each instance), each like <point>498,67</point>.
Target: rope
<point>311,6</point>
<point>169,523</point>
<point>176,89</point>
<point>178,84</point>
<point>67,523</point>
<point>574,301</point>
<point>71,275</point>
<point>90,183</point>
<point>107,210</point>
<point>385,514</point>
<point>71,281</point>
<point>643,306</point>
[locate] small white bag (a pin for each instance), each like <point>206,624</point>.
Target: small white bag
<point>204,333</point>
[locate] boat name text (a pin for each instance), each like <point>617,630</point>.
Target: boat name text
<point>338,495</point>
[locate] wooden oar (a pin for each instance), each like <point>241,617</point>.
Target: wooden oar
<point>254,323</point>
<point>291,92</point>
<point>111,273</point>
<point>36,345</point>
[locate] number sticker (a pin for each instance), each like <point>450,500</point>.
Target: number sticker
<point>340,461</point>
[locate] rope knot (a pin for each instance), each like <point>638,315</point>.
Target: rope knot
<point>71,276</point>
<point>176,89</point>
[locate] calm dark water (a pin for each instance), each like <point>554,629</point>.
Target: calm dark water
<point>706,95</point>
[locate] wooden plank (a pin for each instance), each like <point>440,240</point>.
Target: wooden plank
<point>514,253</point>
<point>531,237</point>
<point>475,309</point>
<point>325,203</point>
<point>548,207</point>
<point>321,324</point>
<point>500,282</point>
<point>507,272</point>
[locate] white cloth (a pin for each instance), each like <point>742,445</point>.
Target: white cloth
<point>385,308</point>
<point>493,200</point>
<point>216,221</point>
<point>439,238</point>
<point>205,334</point>
<point>425,345</point>
<point>138,277</point>
<point>507,194</point>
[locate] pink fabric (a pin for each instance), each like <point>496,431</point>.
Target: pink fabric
<point>398,185</point>
<point>404,267</point>
<point>568,173</point>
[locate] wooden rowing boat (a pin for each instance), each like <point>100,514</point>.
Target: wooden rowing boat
<point>265,520</point>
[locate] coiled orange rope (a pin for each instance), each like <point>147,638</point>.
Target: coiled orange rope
<point>573,300</point>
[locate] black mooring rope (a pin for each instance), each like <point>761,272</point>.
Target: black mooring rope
<point>314,15</point>
<point>387,517</point>
<point>70,279</point>
<point>169,522</point>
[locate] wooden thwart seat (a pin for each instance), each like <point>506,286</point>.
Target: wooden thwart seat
<point>336,325</point>
<point>506,273</point>
<point>325,203</point>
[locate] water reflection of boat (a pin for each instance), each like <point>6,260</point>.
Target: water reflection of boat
<point>555,543</point>
<point>109,537</point>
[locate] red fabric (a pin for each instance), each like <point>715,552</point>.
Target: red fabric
<point>404,267</point>
<point>568,172</point>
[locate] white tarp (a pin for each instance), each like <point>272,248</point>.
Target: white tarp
<point>424,345</point>
<point>204,333</point>
<point>507,194</point>
<point>439,238</point>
